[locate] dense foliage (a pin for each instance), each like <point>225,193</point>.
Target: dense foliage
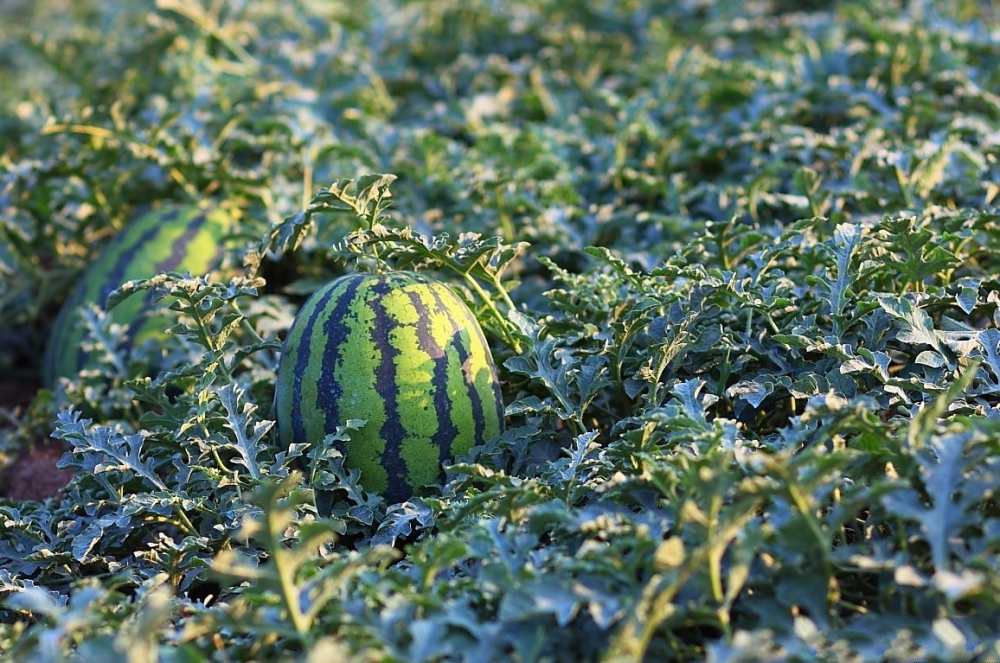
<point>738,262</point>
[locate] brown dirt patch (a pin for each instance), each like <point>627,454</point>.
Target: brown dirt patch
<point>33,475</point>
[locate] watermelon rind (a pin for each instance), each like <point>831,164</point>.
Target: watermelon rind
<point>402,352</point>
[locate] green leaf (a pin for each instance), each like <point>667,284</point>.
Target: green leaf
<point>944,478</point>
<point>116,452</point>
<point>546,597</point>
<point>399,521</point>
<point>249,434</point>
<point>302,576</point>
<point>835,288</point>
<point>914,255</point>
<point>552,366</point>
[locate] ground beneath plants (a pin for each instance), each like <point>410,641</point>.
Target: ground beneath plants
<point>32,474</point>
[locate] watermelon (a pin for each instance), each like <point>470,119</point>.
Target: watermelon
<point>173,238</point>
<point>402,352</point>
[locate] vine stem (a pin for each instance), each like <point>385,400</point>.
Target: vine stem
<point>286,576</point>
<point>508,338</point>
<point>715,552</point>
<point>245,324</point>
<point>802,505</point>
<point>186,522</point>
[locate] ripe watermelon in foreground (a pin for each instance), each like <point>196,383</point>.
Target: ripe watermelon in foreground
<point>404,353</point>
<point>173,238</point>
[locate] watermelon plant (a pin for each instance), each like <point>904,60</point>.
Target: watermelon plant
<point>171,238</point>
<point>403,354</point>
<point>737,263</point>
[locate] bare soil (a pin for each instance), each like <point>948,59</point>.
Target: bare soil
<point>32,475</point>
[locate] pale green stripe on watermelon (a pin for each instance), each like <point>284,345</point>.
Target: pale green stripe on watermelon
<point>456,333</point>
<point>357,380</point>
<point>421,336</point>
<point>185,239</point>
<point>414,396</point>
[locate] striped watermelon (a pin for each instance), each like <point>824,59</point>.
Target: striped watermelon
<point>402,352</point>
<point>173,238</point>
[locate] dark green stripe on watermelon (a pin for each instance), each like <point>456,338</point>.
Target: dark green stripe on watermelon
<point>393,432</point>
<point>402,352</point>
<point>329,393</point>
<point>175,238</point>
